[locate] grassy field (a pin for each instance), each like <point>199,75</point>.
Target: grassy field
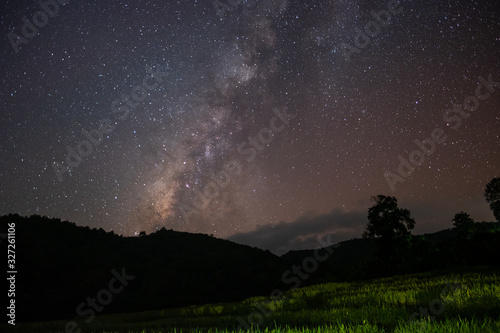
<point>462,301</point>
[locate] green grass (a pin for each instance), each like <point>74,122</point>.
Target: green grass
<point>463,302</point>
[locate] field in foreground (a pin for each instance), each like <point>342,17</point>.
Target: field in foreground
<point>462,301</point>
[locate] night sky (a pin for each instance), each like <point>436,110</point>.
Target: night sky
<point>267,122</point>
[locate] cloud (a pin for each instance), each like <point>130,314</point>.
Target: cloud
<point>437,214</point>
<point>303,233</point>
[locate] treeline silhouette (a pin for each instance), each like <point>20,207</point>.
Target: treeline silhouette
<point>61,264</point>
<point>360,259</point>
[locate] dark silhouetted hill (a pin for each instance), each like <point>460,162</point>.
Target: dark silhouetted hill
<point>62,266</point>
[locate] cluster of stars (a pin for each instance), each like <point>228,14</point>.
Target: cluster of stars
<point>225,76</point>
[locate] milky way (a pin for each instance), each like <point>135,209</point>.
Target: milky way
<point>245,118</point>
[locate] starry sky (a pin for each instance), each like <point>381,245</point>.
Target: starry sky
<point>270,123</point>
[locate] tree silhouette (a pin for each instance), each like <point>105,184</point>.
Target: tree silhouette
<point>464,224</point>
<point>492,195</point>
<point>390,227</point>
<point>387,221</point>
